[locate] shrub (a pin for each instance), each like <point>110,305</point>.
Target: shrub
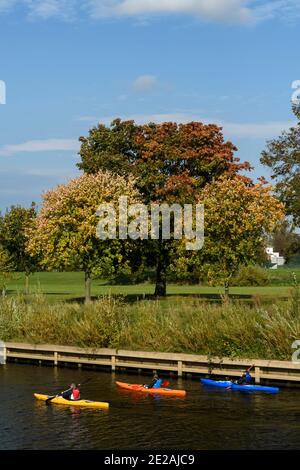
<point>251,276</point>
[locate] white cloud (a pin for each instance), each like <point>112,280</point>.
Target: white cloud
<point>49,145</point>
<point>264,130</point>
<point>226,11</point>
<point>222,10</point>
<point>144,83</point>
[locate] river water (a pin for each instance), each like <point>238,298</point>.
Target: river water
<point>204,419</point>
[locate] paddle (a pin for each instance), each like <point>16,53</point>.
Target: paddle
<point>54,396</point>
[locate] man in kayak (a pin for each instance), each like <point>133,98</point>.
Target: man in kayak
<point>246,378</point>
<point>156,382</point>
<point>73,393</point>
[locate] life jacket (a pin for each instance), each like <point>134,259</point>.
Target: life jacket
<point>248,378</point>
<point>75,394</point>
<point>158,383</point>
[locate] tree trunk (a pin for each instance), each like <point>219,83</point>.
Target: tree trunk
<point>226,289</point>
<point>88,283</point>
<point>27,283</point>
<point>161,276</point>
<point>226,286</point>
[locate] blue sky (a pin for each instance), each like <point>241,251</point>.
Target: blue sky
<point>68,64</point>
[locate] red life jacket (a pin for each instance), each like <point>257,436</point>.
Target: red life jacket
<point>75,394</point>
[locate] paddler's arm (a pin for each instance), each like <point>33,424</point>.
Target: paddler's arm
<point>65,391</point>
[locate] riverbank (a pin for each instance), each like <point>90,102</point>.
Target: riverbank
<point>228,329</point>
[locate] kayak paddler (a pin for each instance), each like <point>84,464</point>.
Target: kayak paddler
<point>245,378</point>
<point>73,393</point>
<point>156,382</point>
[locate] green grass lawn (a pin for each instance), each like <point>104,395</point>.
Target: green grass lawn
<point>70,286</point>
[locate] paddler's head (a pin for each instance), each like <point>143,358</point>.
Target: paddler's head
<point>73,385</point>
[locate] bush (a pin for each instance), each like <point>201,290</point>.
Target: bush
<point>251,276</point>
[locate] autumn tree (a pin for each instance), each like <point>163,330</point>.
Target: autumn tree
<point>282,155</point>
<point>171,163</point>
<point>13,226</point>
<point>238,217</point>
<point>64,233</point>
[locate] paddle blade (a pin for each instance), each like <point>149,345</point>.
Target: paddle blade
<point>49,399</point>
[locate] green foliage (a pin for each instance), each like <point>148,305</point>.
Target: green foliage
<point>230,329</point>
<point>94,324</point>
<point>237,216</point>
<point>13,226</point>
<point>251,276</point>
<point>282,155</point>
<point>6,270</point>
<point>167,159</point>
<point>286,241</point>
<point>64,233</point>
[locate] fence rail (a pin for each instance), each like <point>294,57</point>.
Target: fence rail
<point>180,364</point>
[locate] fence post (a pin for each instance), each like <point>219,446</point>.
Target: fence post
<point>179,368</point>
<point>113,363</point>
<point>2,353</point>
<point>257,374</point>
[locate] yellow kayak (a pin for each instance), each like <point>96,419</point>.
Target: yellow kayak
<point>81,403</point>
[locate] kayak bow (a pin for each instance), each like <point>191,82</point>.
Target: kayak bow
<point>245,388</point>
<point>154,391</point>
<point>81,403</point>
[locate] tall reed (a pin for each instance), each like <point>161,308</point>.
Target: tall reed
<point>228,329</point>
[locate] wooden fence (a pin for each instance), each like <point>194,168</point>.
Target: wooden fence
<point>180,364</point>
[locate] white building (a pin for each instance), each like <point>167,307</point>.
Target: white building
<point>275,258</point>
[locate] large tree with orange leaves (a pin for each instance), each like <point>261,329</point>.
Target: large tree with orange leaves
<point>171,163</point>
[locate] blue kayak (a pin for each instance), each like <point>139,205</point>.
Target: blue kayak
<point>217,383</point>
<point>245,388</point>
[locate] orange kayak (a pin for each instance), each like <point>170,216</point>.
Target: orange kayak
<point>154,391</point>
